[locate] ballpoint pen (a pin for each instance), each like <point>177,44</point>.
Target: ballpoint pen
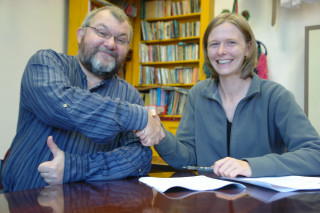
<point>199,168</point>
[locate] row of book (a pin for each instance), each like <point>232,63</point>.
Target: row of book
<point>179,75</point>
<point>162,53</point>
<point>170,29</point>
<point>160,8</point>
<point>166,100</point>
<point>129,9</point>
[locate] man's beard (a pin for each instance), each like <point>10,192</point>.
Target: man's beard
<point>89,59</point>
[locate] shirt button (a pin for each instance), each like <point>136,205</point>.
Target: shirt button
<point>65,105</point>
<point>139,170</point>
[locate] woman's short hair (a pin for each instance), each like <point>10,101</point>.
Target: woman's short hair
<point>241,23</point>
<point>117,13</point>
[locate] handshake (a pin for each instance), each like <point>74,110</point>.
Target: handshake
<point>153,133</point>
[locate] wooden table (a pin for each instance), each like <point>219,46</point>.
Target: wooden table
<point>128,195</point>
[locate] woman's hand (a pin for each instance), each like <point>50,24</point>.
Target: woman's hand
<point>231,167</point>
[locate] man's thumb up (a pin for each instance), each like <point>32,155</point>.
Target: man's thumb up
<point>52,171</point>
<point>53,147</point>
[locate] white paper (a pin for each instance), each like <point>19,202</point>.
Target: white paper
<point>196,183</point>
<point>284,183</point>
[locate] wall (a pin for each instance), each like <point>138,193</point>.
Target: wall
<point>26,26</point>
<point>284,40</point>
<point>313,77</point>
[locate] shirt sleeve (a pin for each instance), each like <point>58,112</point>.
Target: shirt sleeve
<point>48,89</point>
<point>298,135</point>
<point>131,158</point>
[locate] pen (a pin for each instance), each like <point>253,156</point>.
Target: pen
<point>199,168</point>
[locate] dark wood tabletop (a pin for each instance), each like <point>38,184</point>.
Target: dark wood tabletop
<point>129,195</point>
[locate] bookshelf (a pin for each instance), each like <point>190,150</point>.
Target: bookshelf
<point>78,10</point>
<point>155,45</point>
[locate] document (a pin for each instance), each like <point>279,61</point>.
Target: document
<point>284,183</point>
<point>196,183</point>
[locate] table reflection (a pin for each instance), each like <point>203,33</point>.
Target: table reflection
<point>52,196</point>
<point>128,195</point>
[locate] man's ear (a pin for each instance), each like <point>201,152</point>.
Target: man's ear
<point>80,34</point>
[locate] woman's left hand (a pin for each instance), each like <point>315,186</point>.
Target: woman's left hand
<point>231,167</point>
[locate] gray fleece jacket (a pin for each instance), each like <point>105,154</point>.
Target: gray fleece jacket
<point>269,130</point>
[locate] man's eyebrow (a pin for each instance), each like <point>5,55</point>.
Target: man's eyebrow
<point>105,27</point>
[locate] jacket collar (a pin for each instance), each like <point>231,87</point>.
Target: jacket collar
<point>210,90</point>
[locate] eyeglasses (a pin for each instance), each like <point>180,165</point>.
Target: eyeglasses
<point>103,33</point>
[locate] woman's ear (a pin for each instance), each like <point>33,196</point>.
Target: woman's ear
<point>248,49</point>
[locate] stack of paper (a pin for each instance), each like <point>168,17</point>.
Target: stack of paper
<point>203,183</point>
<point>284,183</point>
<point>197,183</point>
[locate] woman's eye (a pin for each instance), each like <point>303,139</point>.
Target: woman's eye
<point>214,44</point>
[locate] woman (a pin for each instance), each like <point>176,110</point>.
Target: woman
<point>236,122</point>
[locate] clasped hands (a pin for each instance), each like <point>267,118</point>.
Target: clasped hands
<point>153,133</point>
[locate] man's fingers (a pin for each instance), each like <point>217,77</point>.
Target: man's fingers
<point>43,168</point>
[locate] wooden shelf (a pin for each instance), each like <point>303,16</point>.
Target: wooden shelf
<point>173,40</point>
<point>100,3</point>
<point>153,86</point>
<point>170,62</point>
<point>185,16</point>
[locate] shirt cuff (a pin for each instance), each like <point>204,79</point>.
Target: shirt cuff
<point>137,118</point>
<point>262,166</point>
<point>74,168</point>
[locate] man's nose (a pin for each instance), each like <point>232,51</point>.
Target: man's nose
<point>110,43</point>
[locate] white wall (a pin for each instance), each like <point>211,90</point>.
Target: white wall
<point>313,78</point>
<point>25,27</point>
<point>284,41</point>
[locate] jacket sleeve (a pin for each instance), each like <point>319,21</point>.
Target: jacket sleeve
<point>131,158</point>
<point>179,151</point>
<point>299,137</point>
<point>47,89</point>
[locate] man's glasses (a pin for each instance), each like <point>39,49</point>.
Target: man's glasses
<point>103,33</point>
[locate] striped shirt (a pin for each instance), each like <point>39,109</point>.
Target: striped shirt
<point>93,127</point>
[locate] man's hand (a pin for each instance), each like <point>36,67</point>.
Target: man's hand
<point>153,133</point>
<point>231,167</point>
<point>52,171</point>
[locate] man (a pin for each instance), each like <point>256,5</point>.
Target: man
<point>81,104</point>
